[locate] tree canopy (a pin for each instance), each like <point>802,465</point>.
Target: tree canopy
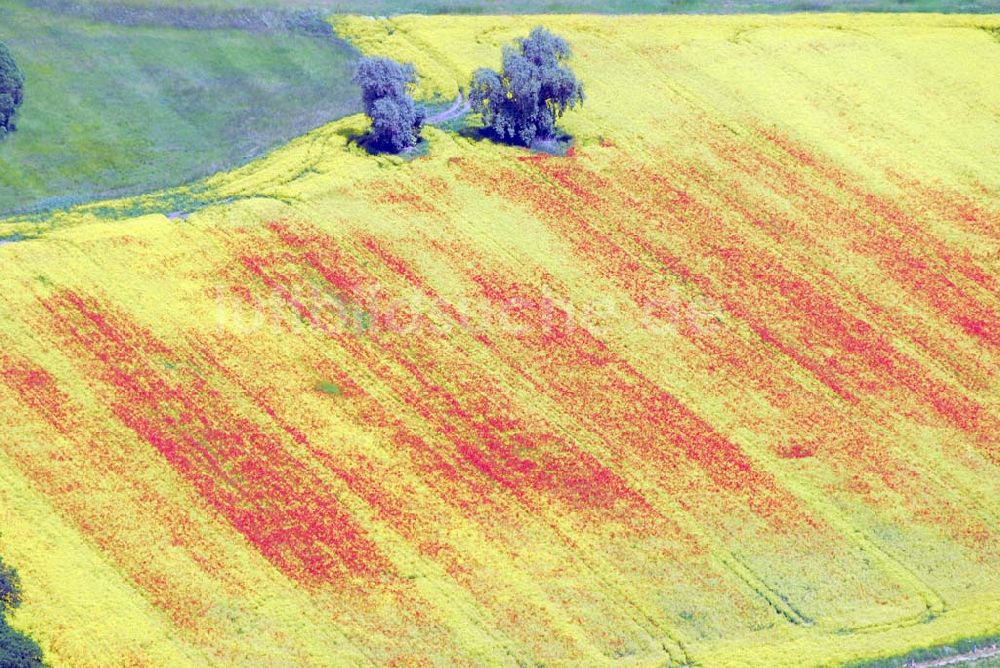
<point>385,92</point>
<point>523,102</point>
<point>11,90</point>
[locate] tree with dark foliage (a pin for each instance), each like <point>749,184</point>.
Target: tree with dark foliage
<point>385,90</point>
<point>11,90</point>
<point>16,649</point>
<point>522,103</point>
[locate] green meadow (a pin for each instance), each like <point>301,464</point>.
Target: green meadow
<point>113,109</point>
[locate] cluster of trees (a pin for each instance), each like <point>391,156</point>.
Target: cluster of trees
<point>16,649</point>
<point>521,104</point>
<point>523,101</point>
<point>11,90</point>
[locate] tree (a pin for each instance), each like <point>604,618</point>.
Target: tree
<point>385,90</point>
<point>11,90</point>
<point>534,89</point>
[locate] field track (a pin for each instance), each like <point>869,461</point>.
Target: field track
<point>458,107</point>
<point>719,387</point>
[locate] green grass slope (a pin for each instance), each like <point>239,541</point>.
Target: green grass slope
<point>112,109</point>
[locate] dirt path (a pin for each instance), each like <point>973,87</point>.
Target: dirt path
<point>991,651</point>
<point>459,106</point>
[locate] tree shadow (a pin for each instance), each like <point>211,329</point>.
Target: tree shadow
<point>16,648</point>
<point>364,140</point>
<point>557,145</point>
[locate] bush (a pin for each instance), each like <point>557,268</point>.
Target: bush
<point>16,649</point>
<point>523,103</point>
<point>11,90</point>
<point>385,91</point>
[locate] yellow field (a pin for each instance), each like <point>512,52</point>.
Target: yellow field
<point>719,387</point>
